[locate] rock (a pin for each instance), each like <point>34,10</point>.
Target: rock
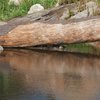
<point>15,2</point>
<point>91,7</point>
<point>35,8</point>
<point>90,10</point>
<point>1,48</point>
<point>65,15</point>
<point>2,23</point>
<point>82,14</point>
<point>95,44</point>
<point>69,10</point>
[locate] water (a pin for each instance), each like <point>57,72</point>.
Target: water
<point>32,75</point>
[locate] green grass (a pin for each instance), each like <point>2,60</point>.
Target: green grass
<point>8,12</point>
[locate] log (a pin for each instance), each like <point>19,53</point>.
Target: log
<point>49,32</point>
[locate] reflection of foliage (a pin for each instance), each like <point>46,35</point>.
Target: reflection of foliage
<point>1,84</point>
<point>10,85</point>
<point>82,48</point>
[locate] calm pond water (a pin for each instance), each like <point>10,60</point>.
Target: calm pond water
<point>36,75</point>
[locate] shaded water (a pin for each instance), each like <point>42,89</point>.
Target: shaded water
<point>31,75</point>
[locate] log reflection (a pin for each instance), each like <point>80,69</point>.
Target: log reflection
<point>68,76</point>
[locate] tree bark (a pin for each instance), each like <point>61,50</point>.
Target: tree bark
<point>47,32</point>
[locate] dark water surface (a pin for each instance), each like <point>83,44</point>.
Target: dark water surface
<point>31,75</point>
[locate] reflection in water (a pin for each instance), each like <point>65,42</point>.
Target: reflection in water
<point>31,75</point>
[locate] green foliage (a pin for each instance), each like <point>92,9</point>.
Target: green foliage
<point>10,11</point>
<point>98,2</point>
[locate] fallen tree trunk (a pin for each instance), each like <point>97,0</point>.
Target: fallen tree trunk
<point>46,32</point>
<point>39,33</point>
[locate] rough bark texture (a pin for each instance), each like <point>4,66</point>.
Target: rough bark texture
<point>48,30</point>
